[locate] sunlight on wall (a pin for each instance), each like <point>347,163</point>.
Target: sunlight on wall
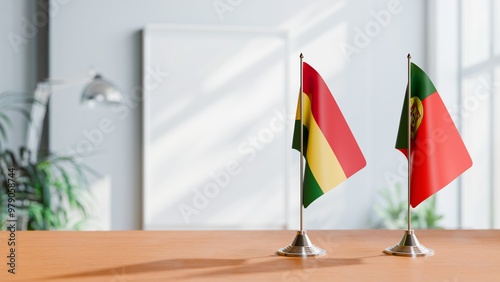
<point>223,111</point>
<point>228,121</point>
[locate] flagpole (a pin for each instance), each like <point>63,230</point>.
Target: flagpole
<point>409,140</point>
<point>409,246</point>
<point>301,173</point>
<point>301,245</point>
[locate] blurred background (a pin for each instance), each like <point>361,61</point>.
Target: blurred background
<point>202,136</point>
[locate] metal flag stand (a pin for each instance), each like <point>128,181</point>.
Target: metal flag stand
<point>301,245</point>
<point>409,245</point>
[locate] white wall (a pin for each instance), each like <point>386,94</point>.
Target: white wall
<point>17,57</point>
<point>368,85</point>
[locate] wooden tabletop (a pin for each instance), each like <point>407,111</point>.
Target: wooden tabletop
<point>461,255</point>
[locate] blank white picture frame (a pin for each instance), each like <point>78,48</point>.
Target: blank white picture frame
<point>216,129</point>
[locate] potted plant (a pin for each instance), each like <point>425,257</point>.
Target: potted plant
<point>51,192</point>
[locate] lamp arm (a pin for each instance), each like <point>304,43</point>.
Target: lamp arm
<point>38,111</point>
<point>97,88</point>
<point>73,80</point>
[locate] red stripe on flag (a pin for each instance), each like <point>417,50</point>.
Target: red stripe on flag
<point>438,152</point>
<point>330,120</point>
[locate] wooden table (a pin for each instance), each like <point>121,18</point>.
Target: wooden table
<point>461,255</point>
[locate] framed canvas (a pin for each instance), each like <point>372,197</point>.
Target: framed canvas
<point>216,128</point>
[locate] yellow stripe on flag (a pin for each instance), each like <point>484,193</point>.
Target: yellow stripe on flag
<point>321,159</point>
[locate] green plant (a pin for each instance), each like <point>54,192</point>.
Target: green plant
<point>392,211</point>
<point>53,191</point>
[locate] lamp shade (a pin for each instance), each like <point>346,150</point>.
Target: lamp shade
<point>101,90</point>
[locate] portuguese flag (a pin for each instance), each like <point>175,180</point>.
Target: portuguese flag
<point>331,152</point>
<point>438,154</point>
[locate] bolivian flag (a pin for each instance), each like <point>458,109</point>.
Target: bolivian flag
<point>331,152</point>
<point>438,154</point>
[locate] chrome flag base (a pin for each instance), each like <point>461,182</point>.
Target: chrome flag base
<point>409,247</point>
<point>301,247</point>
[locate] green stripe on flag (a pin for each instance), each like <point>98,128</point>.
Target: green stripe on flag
<point>421,85</point>
<point>296,137</point>
<point>312,191</point>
